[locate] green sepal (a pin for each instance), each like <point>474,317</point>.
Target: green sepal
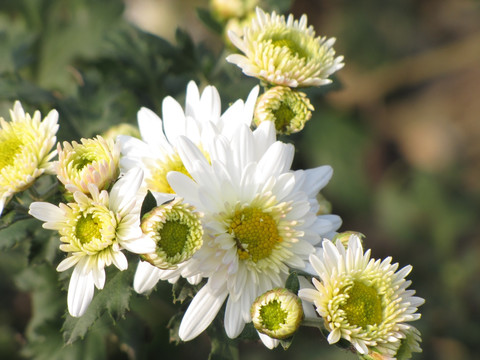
<point>292,284</point>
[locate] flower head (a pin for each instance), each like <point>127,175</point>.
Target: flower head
<point>259,221</point>
<point>362,300</point>
<point>93,231</point>
<point>25,145</point>
<point>176,229</point>
<point>157,152</point>
<point>285,52</point>
<point>287,108</point>
<point>277,313</point>
<point>94,161</point>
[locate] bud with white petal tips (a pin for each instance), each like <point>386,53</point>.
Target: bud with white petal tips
<point>277,313</point>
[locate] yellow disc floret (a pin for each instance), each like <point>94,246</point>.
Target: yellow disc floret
<point>363,306</point>
<point>157,181</point>
<point>255,233</point>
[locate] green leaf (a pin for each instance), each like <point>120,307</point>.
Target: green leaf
<point>47,298</point>
<point>182,290</point>
<point>13,231</point>
<point>286,342</point>
<point>114,298</point>
<point>209,21</point>
<point>148,204</point>
<point>292,284</point>
<point>173,326</point>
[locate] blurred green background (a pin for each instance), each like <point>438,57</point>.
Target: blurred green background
<point>400,125</point>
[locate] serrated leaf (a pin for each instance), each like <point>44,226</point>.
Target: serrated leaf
<point>209,21</point>
<point>182,290</point>
<point>292,284</point>
<point>173,326</point>
<point>114,298</point>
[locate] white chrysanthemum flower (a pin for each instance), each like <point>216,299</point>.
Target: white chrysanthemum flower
<point>277,313</point>
<point>25,145</point>
<point>259,220</point>
<point>93,231</point>
<point>287,108</point>
<point>362,300</point>
<point>157,153</point>
<point>285,52</point>
<point>94,161</point>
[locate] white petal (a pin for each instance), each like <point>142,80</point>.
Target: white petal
<point>334,336</point>
<point>146,277</point>
<point>269,342</point>
<point>120,260</point>
<point>201,312</point>
<point>125,190</point>
<point>141,245</point>
<point>173,119</point>
<point>46,212</point>
<point>80,292</point>
<point>151,130</point>
<point>234,323</point>
<point>67,263</point>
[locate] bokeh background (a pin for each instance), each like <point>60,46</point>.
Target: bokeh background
<point>400,125</point>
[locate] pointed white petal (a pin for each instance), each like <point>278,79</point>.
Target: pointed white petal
<point>146,277</point>
<point>269,342</point>
<point>80,292</point>
<point>201,312</point>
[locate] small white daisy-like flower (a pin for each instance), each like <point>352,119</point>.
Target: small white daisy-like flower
<point>287,108</point>
<point>25,150</point>
<point>93,232</point>
<point>93,161</point>
<point>259,221</point>
<point>156,152</point>
<point>362,300</point>
<point>277,313</point>
<point>285,52</point>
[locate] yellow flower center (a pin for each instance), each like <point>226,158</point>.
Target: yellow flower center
<point>172,237</point>
<point>158,179</point>
<point>363,306</point>
<point>87,229</point>
<point>8,150</point>
<point>255,233</point>
<point>294,48</point>
<point>273,316</point>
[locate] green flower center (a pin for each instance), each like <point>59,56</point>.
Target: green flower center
<point>283,116</point>
<point>83,160</point>
<point>255,233</point>
<point>87,229</point>
<point>363,306</point>
<point>177,232</point>
<point>8,150</point>
<point>273,316</point>
<point>294,48</point>
<point>172,237</point>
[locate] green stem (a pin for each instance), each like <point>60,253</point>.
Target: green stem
<point>313,322</point>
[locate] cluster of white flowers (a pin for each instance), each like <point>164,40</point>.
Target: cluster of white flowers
<point>230,210</point>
